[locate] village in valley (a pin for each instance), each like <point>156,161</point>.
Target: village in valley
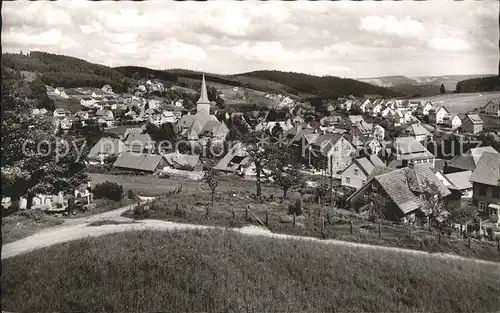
<point>139,180</point>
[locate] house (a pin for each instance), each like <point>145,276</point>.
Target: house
<point>467,161</point>
<point>492,107</point>
<point>486,185</point>
<point>107,89</point>
<point>139,142</point>
<point>140,162</point>
<point>403,189</point>
<point>97,93</point>
<point>425,108</point>
<point>333,149</point>
<point>419,132</point>
<point>75,93</point>
<point>452,121</point>
<point>365,106</point>
<point>472,123</point>
<point>410,152</point>
<point>356,174</point>
<point>378,132</point>
<point>106,122</point>
<point>458,183</point>
<point>184,162</point>
<point>236,160</point>
<point>105,147</point>
<point>51,92</point>
<point>60,92</point>
<point>60,113</point>
<point>269,126</point>
<point>437,114</point>
<point>377,107</point>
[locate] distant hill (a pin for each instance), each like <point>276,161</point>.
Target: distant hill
<point>321,85</point>
<point>65,71</point>
<point>490,83</point>
<point>389,81</point>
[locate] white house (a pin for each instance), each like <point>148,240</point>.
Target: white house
<point>59,91</point>
<point>426,108</point>
<point>452,121</point>
<point>437,114</point>
<point>378,132</point>
<point>87,101</point>
<point>377,108</point>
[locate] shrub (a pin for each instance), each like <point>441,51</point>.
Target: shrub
<point>131,194</point>
<point>59,205</point>
<point>108,190</point>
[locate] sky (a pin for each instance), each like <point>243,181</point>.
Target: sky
<point>346,39</point>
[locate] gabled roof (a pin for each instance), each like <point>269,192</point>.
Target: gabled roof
<point>137,138</point>
<point>459,180</point>
<point>403,185</point>
<point>234,158</point>
<point>107,145</point>
<point>135,161</point>
<point>181,160</point>
<point>356,118</point>
<point>476,153</point>
<point>410,146</point>
<point>417,130</point>
<point>475,119</point>
<point>487,170</point>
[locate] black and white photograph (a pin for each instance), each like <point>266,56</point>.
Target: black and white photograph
<point>250,156</point>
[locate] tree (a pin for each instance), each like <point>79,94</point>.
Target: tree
<point>356,110</point>
<point>212,179</point>
<point>221,104</point>
<point>259,155</point>
<point>108,190</point>
<point>39,92</point>
<point>284,169</point>
<point>434,206</point>
<point>34,161</point>
<point>442,89</point>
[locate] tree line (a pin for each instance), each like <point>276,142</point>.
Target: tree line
<point>481,84</point>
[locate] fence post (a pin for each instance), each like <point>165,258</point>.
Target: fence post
<point>409,232</point>
<point>246,213</point>
<point>439,237</point>
<point>232,211</point>
<point>350,227</point>
<point>469,242</point>
<point>293,218</point>
<point>322,224</point>
<point>206,212</point>
<point>379,231</point>
<point>498,246</point>
<point>267,217</point>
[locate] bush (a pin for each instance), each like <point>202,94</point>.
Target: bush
<point>59,205</point>
<point>108,190</point>
<point>131,194</point>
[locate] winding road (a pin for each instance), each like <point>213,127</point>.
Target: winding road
<point>78,228</point>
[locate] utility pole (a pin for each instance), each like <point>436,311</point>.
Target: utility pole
<point>331,180</point>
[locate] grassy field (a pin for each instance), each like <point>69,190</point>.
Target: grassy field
<point>23,224</point>
<point>215,271</point>
<point>462,102</point>
<point>189,207</point>
<point>151,185</point>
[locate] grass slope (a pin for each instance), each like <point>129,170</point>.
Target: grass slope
<point>212,271</point>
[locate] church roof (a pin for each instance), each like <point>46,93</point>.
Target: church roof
<point>204,95</point>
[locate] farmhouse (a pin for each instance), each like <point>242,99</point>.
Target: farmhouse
<point>333,149</point>
<point>139,142</point>
<point>437,114</point>
<point>472,123</point>
<point>184,162</point>
<point>452,121</point>
<point>418,132</point>
<point>105,147</point>
<point>468,161</point>
<point>402,188</point>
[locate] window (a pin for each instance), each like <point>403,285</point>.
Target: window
<point>363,182</point>
<point>374,186</point>
<point>482,190</point>
<point>348,180</point>
<point>495,193</point>
<point>356,172</point>
<point>482,205</point>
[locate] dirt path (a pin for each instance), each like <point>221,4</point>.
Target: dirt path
<point>78,228</point>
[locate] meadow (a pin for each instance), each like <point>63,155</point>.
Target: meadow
<point>222,271</point>
<point>462,102</point>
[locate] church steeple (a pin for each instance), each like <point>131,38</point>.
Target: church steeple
<point>204,95</point>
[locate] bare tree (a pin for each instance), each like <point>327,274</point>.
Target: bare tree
<point>212,179</point>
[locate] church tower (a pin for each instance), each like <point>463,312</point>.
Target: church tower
<point>203,104</point>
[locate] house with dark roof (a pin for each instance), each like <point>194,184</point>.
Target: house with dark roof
<point>458,183</point>
<point>139,162</point>
<point>356,174</point>
<point>467,161</point>
<point>492,107</point>
<point>486,185</point>
<point>437,113</point>
<point>472,123</point>
<point>403,188</point>
<point>409,151</point>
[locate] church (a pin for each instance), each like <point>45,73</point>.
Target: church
<point>202,124</point>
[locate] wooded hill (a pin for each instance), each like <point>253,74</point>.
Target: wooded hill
<point>491,83</point>
<point>64,71</point>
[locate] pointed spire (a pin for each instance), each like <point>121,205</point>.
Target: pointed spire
<point>204,96</point>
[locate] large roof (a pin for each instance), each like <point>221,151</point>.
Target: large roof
<point>181,160</point>
<point>410,148</point>
<point>487,170</point>
<point>417,130</point>
<point>459,180</point>
<point>475,119</point>
<point>107,145</point>
<point>135,161</point>
<point>476,153</point>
